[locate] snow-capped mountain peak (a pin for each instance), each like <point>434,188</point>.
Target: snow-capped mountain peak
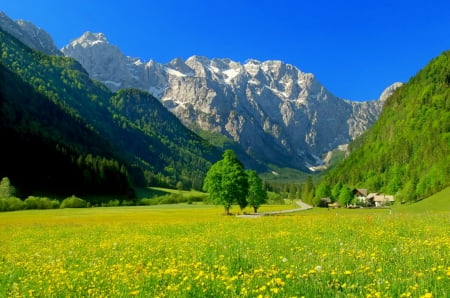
<point>90,39</point>
<point>276,112</point>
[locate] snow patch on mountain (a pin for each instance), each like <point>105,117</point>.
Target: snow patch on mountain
<point>276,112</point>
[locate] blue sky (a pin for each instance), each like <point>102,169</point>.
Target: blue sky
<point>354,48</point>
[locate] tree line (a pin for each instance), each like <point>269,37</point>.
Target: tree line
<point>228,183</point>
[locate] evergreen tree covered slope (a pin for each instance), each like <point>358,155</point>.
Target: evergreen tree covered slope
<point>157,150</point>
<point>183,155</point>
<point>407,151</point>
<point>45,150</point>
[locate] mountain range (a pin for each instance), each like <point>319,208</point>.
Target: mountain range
<point>276,113</point>
<point>65,133</point>
<point>77,127</point>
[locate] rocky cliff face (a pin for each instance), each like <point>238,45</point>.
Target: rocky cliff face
<point>276,112</point>
<point>29,34</point>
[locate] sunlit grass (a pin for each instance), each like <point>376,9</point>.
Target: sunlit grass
<point>196,251</point>
<point>439,202</point>
<point>151,192</point>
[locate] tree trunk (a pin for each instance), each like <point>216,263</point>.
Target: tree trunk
<point>255,209</point>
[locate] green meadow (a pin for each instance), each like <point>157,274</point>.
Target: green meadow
<point>193,250</point>
<point>439,202</point>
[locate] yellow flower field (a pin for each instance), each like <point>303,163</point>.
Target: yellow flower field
<point>195,251</point>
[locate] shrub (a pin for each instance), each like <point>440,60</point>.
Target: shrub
<point>170,199</point>
<point>73,202</point>
<point>112,203</point>
<point>147,202</point>
<point>40,203</point>
<point>195,198</point>
<point>11,204</point>
<point>274,199</point>
<point>127,203</point>
<point>15,203</point>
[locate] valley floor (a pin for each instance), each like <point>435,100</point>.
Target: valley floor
<point>196,251</point>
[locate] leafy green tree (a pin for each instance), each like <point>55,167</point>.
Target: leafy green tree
<point>226,182</point>
<point>6,189</point>
<point>336,191</point>
<point>322,191</point>
<point>346,196</point>
<point>257,195</point>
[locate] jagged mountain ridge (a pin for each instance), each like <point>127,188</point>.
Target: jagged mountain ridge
<point>129,125</point>
<point>29,34</point>
<point>276,112</point>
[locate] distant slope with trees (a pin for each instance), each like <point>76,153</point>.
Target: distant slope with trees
<point>407,151</point>
<point>46,150</point>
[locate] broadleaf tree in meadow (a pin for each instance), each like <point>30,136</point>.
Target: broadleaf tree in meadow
<point>257,195</point>
<point>6,189</point>
<point>346,196</point>
<point>226,182</point>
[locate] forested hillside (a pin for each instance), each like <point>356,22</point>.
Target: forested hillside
<point>407,151</point>
<point>51,100</point>
<point>45,150</point>
<point>184,156</point>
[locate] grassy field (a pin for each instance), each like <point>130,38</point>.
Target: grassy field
<point>439,202</point>
<point>196,251</point>
<point>150,192</point>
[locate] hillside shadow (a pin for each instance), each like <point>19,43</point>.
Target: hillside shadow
<point>147,192</point>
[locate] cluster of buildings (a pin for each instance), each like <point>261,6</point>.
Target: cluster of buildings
<point>362,198</point>
<point>373,199</point>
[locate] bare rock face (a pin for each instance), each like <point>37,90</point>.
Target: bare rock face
<point>34,37</point>
<point>389,90</point>
<point>276,112</point>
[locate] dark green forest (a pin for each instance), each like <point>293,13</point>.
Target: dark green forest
<point>185,156</point>
<point>67,134</point>
<point>44,148</point>
<point>407,151</point>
